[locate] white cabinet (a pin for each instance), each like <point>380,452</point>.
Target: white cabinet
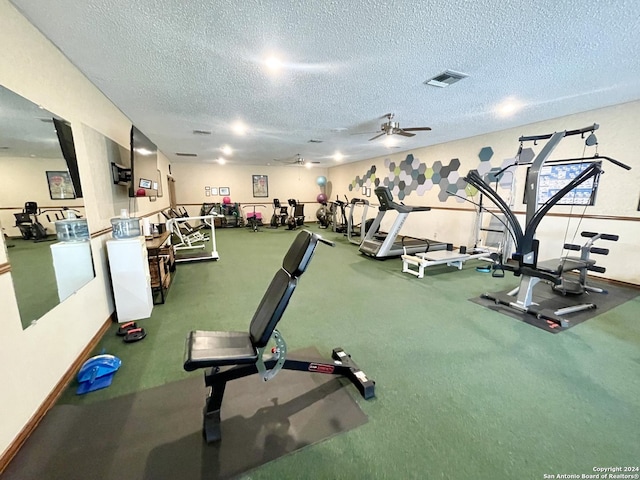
<point>73,266</point>
<point>130,278</point>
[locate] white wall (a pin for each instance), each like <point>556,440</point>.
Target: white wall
<point>26,181</point>
<point>617,197</point>
<point>34,360</point>
<point>284,182</point>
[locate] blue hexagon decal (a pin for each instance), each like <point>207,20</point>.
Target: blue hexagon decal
<point>485,154</point>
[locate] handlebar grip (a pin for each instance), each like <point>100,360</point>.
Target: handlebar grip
<point>326,242</point>
<point>595,268</point>
<point>608,236</point>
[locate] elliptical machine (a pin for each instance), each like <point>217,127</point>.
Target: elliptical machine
<point>339,216</point>
<point>324,215</point>
<point>29,225</point>
<point>296,214</point>
<point>280,214</point>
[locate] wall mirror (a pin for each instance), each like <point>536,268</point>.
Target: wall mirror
<point>40,186</point>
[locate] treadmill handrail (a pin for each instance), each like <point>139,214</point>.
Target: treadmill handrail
<point>386,202</point>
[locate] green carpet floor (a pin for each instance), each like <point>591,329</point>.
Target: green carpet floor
<point>462,392</point>
<point>33,277</point>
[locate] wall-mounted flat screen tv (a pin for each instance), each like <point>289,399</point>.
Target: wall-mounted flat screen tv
<point>67,146</point>
<point>554,176</point>
<point>144,165</point>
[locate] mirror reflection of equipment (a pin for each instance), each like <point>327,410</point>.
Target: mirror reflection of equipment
<point>44,141</point>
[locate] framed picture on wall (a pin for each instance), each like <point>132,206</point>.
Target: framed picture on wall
<point>224,191</point>
<point>214,191</point>
<point>60,185</point>
<point>260,185</point>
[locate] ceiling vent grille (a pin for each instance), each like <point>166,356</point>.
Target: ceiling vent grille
<point>202,132</point>
<point>313,140</point>
<point>446,78</point>
<point>182,154</point>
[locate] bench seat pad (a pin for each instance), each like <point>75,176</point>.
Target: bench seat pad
<point>209,349</point>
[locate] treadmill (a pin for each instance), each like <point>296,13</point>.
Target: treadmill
<point>393,245</point>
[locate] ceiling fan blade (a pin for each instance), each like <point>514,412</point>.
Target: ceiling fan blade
<point>379,135</point>
<point>365,133</point>
<point>400,131</point>
<point>416,129</point>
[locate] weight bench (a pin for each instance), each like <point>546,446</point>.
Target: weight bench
<point>439,257</point>
<point>582,264</point>
<point>233,355</point>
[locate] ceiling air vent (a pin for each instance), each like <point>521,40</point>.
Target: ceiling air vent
<point>446,78</point>
<point>314,141</point>
<point>182,154</point>
<point>202,132</point>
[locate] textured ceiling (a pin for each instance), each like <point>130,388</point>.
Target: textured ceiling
<point>173,67</point>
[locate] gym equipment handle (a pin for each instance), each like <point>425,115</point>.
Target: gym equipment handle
<point>594,268</point>
<point>326,242</point>
<point>607,236</point>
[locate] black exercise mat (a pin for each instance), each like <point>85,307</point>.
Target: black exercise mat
<point>157,433</point>
<point>548,299</point>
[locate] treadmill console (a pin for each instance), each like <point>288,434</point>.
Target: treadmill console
<point>385,198</point>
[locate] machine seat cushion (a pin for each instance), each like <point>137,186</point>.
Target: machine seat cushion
<point>211,349</point>
<point>559,265</point>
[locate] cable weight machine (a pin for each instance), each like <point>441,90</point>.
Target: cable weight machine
<point>526,245</point>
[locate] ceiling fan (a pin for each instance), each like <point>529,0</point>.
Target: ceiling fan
<point>393,128</point>
<point>297,159</point>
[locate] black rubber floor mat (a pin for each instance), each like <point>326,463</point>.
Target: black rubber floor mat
<point>548,299</point>
<point>156,433</point>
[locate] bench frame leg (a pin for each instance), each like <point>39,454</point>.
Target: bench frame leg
<point>216,379</point>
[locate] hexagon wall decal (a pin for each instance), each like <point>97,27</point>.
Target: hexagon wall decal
<point>485,154</point>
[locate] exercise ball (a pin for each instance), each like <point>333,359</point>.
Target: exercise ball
<point>321,198</point>
<point>321,181</point>
<point>226,200</point>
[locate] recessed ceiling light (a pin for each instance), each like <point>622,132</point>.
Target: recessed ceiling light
<point>221,161</point>
<point>273,63</point>
<point>239,128</point>
<point>338,156</point>
<point>227,150</point>
<point>307,164</point>
<point>508,107</point>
